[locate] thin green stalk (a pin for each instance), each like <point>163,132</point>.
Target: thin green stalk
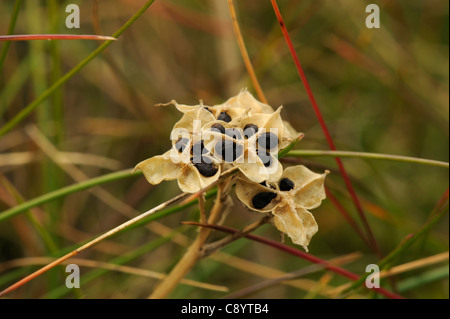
<point>401,248</point>
<point>12,25</point>
<point>30,107</point>
<point>65,191</point>
<point>423,279</point>
<point>398,158</point>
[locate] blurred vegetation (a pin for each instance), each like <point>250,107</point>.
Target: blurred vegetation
<point>380,90</point>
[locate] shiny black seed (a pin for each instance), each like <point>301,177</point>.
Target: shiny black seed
<point>224,117</point>
<point>250,130</point>
<point>181,144</point>
<point>286,184</point>
<point>218,128</point>
<point>263,199</point>
<point>234,133</point>
<point>228,150</point>
<point>206,169</point>
<point>265,157</point>
<point>268,141</point>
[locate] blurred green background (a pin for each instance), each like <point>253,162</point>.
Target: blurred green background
<point>380,90</point>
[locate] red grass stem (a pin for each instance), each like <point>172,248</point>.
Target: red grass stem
<point>325,130</point>
<point>298,253</point>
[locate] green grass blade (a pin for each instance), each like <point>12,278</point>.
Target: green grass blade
<point>48,197</point>
<point>30,107</point>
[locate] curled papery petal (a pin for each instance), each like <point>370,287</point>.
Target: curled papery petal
<point>159,168</point>
<point>309,189</point>
<point>185,108</point>
<point>247,101</point>
<point>193,120</point>
<point>270,124</point>
<point>190,180</point>
<point>256,196</point>
<point>296,222</point>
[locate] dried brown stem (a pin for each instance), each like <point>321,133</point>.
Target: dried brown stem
<point>194,252</point>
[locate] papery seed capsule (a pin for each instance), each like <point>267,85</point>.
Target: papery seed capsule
<point>268,141</point>
<point>218,128</point>
<point>234,133</point>
<point>224,117</point>
<point>286,184</point>
<point>206,169</point>
<point>263,199</point>
<point>228,150</point>
<point>181,144</point>
<point>250,130</point>
<point>265,157</point>
<point>207,108</point>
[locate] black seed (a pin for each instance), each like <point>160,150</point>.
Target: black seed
<point>199,149</point>
<point>181,144</point>
<point>286,184</point>
<point>234,133</point>
<point>218,128</point>
<point>224,117</point>
<point>250,130</point>
<point>268,141</point>
<point>265,157</point>
<point>228,150</point>
<point>206,169</point>
<point>263,199</point>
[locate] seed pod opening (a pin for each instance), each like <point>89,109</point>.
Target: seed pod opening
<point>223,116</point>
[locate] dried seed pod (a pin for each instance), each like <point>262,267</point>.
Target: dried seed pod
<point>191,177</point>
<point>299,189</point>
<point>299,224</point>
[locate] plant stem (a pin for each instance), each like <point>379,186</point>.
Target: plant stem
<point>66,191</point>
<point>365,155</point>
<point>326,132</point>
<point>194,252</point>
<point>244,53</point>
<point>11,27</point>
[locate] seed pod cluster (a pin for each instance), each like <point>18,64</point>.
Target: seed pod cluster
<point>246,134</point>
